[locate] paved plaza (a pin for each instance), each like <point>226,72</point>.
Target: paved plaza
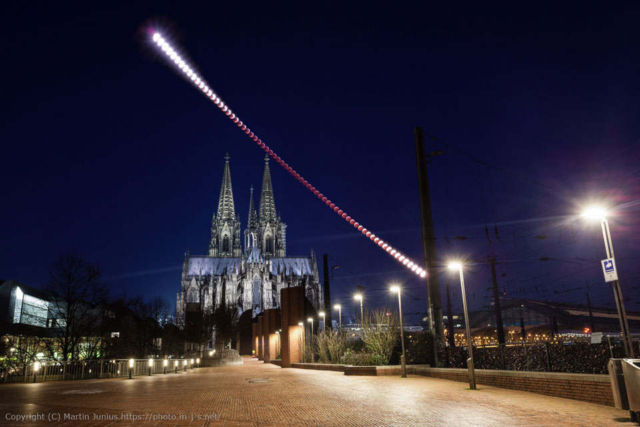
<point>263,394</point>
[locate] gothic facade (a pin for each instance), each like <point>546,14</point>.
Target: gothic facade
<point>247,275</point>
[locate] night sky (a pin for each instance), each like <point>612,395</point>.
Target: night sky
<point>109,153</point>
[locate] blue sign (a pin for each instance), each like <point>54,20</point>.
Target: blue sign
<point>609,270</point>
<point>608,266</point>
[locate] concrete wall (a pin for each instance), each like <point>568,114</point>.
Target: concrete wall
<point>586,387</point>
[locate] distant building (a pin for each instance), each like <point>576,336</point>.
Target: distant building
<point>246,276</point>
<point>542,320</point>
<point>25,310</point>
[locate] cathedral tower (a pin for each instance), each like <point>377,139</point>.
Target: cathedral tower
<point>272,231</point>
<point>225,224</point>
<point>251,232</point>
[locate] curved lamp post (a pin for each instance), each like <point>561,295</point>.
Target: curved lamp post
<point>397,290</point>
<point>600,214</point>
<point>457,266</point>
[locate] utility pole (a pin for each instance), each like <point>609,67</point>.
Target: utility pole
<point>590,312</point>
<point>434,304</point>
<point>496,301</point>
<point>327,291</point>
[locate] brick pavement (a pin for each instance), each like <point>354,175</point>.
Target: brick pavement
<point>263,394</point>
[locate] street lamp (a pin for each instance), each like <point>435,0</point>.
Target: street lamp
<point>360,297</point>
<point>396,289</point>
<point>36,368</point>
<point>324,320</point>
<point>150,366</point>
<point>165,363</point>
<point>131,362</point>
<point>339,308</point>
<point>600,213</point>
<point>457,266</point>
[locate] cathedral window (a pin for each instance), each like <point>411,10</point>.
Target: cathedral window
<point>192,295</point>
<point>225,244</point>
<point>269,245</point>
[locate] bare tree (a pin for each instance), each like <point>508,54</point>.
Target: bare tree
<point>225,319</point>
<point>77,298</point>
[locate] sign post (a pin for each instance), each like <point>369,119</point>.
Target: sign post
<point>609,270</point>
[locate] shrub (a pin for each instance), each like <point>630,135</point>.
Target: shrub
<point>380,335</point>
<point>330,346</point>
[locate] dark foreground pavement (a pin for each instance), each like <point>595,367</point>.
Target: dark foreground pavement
<point>263,394</point>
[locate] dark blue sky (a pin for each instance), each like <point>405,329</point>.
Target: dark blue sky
<point>109,153</point>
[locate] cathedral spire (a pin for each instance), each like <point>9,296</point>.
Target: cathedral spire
<point>267,202</point>
<point>226,209</point>
<point>253,215</point>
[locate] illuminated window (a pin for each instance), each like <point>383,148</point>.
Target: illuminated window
<point>29,310</point>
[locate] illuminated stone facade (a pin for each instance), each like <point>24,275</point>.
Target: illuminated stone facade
<point>247,276</point>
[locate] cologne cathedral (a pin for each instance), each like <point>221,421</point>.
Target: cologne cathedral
<point>245,270</point>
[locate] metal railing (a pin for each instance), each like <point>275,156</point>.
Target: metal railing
<point>42,371</point>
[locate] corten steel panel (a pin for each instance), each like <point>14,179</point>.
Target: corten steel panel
<point>259,330</point>
<point>245,333</point>
<point>271,352</point>
<point>271,323</point>
<point>292,311</point>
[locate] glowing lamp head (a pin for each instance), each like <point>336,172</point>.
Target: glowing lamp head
<point>454,266</point>
<point>321,314</point>
<point>300,324</point>
<point>337,307</point>
<point>184,363</point>
<point>165,362</point>
<point>595,213</point>
<point>131,362</point>
<point>310,320</point>
<point>357,297</point>
<point>36,367</point>
<point>192,361</point>
<point>395,289</point>
<point>198,360</point>
<point>176,363</point>
<point>151,363</point>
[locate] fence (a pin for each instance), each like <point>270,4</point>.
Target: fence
<point>90,369</point>
<point>576,357</point>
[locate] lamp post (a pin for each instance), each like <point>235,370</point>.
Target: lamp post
<point>324,320</point>
<point>131,362</point>
<point>36,368</point>
<point>165,363</point>
<point>339,308</point>
<point>599,213</point>
<point>150,366</point>
<point>457,266</point>
<point>310,320</point>
<point>176,365</point>
<point>396,289</point>
<point>360,297</point>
